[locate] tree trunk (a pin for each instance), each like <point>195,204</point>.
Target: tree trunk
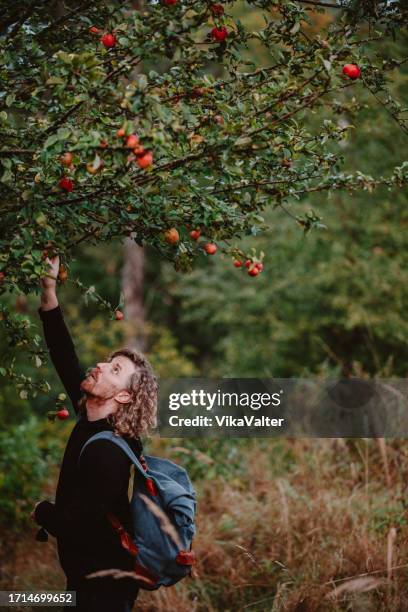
<point>133,276</point>
<point>132,287</point>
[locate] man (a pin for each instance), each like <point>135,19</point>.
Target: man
<point>119,395</point>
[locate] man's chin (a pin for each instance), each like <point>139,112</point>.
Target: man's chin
<point>87,384</point>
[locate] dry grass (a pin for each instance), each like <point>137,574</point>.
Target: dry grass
<point>301,525</point>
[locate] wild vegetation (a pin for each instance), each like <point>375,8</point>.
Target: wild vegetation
<point>283,524</point>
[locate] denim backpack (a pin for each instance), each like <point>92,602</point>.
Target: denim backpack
<point>163,506</point>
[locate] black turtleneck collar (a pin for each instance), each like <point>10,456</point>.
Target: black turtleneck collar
<point>99,424</point>
<point>103,425</point>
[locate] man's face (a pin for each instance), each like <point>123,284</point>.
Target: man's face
<point>108,378</point>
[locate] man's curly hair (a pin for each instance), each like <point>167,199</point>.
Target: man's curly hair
<point>140,414</point>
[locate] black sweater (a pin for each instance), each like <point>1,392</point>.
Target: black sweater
<point>85,538</point>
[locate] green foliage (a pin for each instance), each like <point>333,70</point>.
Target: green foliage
<point>328,303</point>
<point>391,514</point>
<point>28,452</point>
<point>221,126</point>
<point>95,340</point>
<point>213,459</point>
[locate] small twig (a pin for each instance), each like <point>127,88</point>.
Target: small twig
<point>325,4</point>
<point>165,524</point>
<point>62,19</point>
<point>17,152</point>
<point>63,118</point>
<point>84,237</point>
<point>379,571</point>
<point>392,534</point>
<point>261,183</point>
<point>384,105</point>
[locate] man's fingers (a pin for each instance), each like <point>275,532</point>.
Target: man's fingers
<point>51,276</point>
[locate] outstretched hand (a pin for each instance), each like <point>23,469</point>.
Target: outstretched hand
<point>32,515</point>
<point>50,281</point>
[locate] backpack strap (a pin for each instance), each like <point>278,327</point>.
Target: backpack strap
<point>125,539</point>
<point>109,435</point>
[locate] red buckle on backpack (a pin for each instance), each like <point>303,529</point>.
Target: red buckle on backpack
<point>151,486</point>
<point>185,557</point>
<point>125,539</point>
<point>143,462</point>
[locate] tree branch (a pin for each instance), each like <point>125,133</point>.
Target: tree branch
<point>324,4</point>
<point>261,183</point>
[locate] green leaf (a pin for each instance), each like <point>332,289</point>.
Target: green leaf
<point>10,99</point>
<point>51,140</point>
<point>327,64</point>
<point>55,81</point>
<point>295,29</point>
<point>64,57</point>
<point>41,219</point>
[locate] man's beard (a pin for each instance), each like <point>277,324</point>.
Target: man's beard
<point>93,390</point>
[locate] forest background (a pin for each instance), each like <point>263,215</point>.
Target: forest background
<point>283,524</point>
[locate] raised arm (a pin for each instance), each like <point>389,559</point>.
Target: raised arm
<point>58,338</point>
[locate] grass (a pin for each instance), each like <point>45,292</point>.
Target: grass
<point>287,525</point>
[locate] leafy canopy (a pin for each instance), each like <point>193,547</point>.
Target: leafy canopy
<point>219,137</point>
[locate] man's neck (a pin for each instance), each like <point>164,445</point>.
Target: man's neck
<point>96,410</point>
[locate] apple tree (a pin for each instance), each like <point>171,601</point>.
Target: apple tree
<point>148,120</point>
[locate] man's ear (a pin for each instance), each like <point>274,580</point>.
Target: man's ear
<point>123,397</point>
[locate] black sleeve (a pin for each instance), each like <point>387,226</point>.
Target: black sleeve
<point>62,352</point>
<point>104,476</point>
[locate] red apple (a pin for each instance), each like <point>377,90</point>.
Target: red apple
<point>352,71</point>
<point>145,160</point>
<point>170,2</point>
<point>237,263</point>
<point>62,273</point>
<point>93,30</point>
<point>139,150</point>
<point>66,184</point>
<point>66,159</point>
<point>210,248</point>
<point>254,271</point>
<point>91,168</point>
<point>248,263</point>
<point>219,34</point>
<point>119,315</point>
<point>121,133</point>
<point>259,266</point>
<point>195,234</point>
<point>171,236</point>
<point>109,41</point>
<point>2,276</point>
<point>132,141</point>
<point>62,414</point>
